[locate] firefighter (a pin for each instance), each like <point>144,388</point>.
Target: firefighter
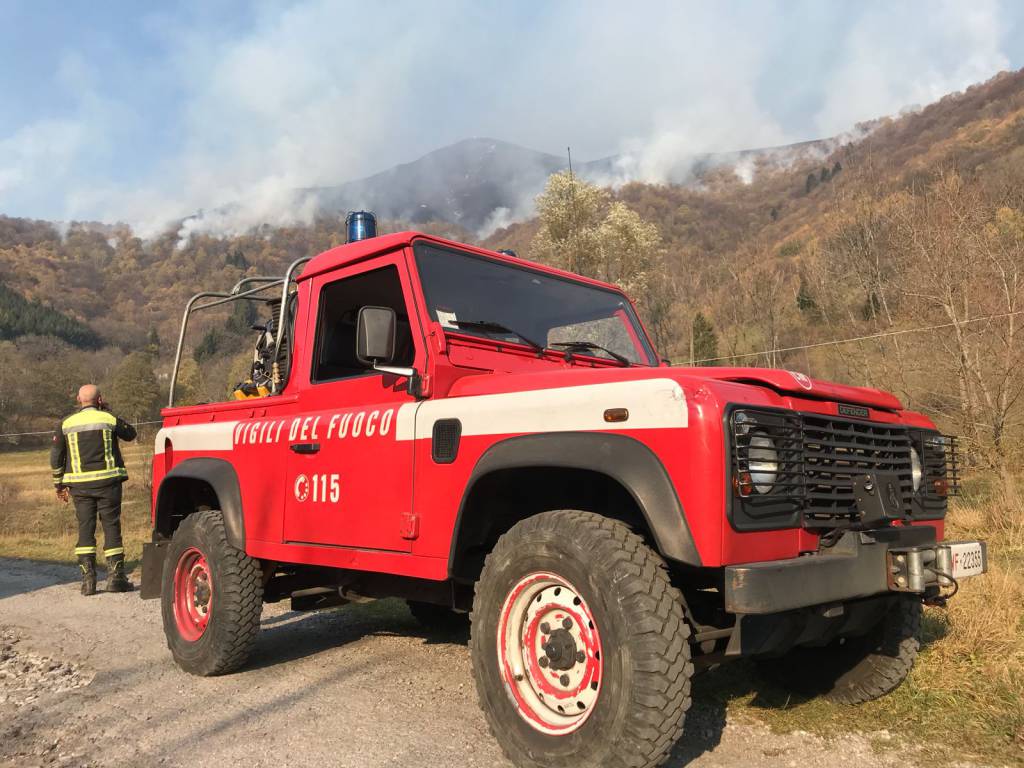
<point>88,468</point>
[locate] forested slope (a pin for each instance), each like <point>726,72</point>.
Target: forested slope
<point>917,224</point>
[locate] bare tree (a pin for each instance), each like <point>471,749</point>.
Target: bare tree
<point>962,254</point>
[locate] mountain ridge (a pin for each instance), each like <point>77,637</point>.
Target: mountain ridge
<point>481,183</point>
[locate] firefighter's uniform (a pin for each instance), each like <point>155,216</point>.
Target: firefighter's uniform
<point>86,459</point>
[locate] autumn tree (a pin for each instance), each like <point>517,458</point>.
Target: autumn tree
<point>134,391</point>
<point>188,386</point>
<point>57,373</point>
<point>570,212</point>
<point>583,231</point>
<point>961,255</point>
<point>760,307</point>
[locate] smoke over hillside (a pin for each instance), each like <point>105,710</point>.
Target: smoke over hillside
<point>484,184</point>
<point>267,116</point>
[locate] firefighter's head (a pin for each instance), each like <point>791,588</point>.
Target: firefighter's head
<point>89,394</point>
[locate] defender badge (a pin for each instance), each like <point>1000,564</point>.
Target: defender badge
<point>802,379</point>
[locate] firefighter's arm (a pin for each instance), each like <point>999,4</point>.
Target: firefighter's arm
<point>58,456</point>
<point>125,431</point>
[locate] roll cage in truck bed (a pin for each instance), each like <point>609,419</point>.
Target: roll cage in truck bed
<point>237,294</point>
<point>473,432</point>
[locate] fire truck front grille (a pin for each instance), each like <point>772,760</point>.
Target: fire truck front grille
<point>792,469</point>
<point>836,451</point>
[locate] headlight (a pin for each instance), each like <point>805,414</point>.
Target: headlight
<point>763,462</point>
<point>915,468</point>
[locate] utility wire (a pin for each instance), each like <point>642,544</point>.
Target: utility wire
<point>50,431</point>
<point>834,342</point>
<point>869,337</point>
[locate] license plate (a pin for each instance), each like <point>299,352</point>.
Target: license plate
<point>967,558</point>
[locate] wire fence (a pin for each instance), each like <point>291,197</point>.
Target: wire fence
<point>27,440</point>
<point>854,339</point>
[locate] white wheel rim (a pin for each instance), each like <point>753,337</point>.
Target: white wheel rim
<point>549,653</point>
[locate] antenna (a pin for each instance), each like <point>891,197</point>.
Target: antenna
<point>574,263</point>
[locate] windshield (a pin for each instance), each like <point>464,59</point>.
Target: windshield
<point>475,295</point>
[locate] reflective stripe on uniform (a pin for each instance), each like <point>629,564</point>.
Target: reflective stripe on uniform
<point>97,474</point>
<point>76,458</point>
<point>103,424</point>
<point>86,419</point>
<point>108,449</point>
<point>85,550</point>
<point>114,551</point>
<point>90,427</point>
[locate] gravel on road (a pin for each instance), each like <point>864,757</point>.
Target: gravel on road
<point>90,682</point>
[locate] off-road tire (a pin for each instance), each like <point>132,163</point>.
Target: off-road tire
<point>438,619</point>
<point>645,691</point>
<point>856,670</point>
<point>234,620</point>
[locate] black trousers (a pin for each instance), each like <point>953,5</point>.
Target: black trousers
<point>105,503</point>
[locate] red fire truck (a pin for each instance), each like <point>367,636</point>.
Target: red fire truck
<point>479,434</point>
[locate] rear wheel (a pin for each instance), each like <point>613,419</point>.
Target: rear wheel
<point>580,650</point>
<point>855,670</point>
<point>211,597</point>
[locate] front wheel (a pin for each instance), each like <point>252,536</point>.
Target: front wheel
<point>580,650</point>
<point>211,597</point>
<point>856,670</point>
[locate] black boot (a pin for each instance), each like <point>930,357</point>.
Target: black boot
<point>117,581</point>
<point>88,565</point>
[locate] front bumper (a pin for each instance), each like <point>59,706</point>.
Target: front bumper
<point>861,564</point>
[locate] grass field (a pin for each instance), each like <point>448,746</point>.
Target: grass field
<point>963,702</point>
<point>34,524</point>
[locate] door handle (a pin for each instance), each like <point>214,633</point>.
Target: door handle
<point>305,447</point>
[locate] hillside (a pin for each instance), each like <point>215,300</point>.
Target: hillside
<point>20,317</point>
<point>762,260</point>
<point>966,131</point>
<point>481,183</point>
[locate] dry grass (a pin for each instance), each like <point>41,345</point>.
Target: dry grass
<point>964,700</point>
<point>33,523</point>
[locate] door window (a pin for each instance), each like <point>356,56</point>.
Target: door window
<point>340,302</point>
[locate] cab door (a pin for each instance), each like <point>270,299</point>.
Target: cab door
<point>349,476</point>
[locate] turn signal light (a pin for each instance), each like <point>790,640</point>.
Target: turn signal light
<point>613,415</point>
<point>941,486</point>
<point>742,483</point>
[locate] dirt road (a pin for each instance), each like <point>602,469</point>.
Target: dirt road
<point>89,682</point>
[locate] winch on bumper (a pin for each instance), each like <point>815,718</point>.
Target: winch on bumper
<point>861,564</point>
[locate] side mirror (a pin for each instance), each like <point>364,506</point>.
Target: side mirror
<point>375,335</point>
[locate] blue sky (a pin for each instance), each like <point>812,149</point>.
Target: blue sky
<point>121,111</point>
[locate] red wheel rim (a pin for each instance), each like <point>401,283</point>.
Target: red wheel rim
<point>193,594</point>
<point>549,653</point>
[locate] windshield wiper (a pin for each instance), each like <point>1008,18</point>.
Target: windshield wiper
<point>591,346</point>
<point>489,326</point>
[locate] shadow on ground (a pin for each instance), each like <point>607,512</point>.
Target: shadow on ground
<point>22,576</point>
<point>294,635</point>
<point>297,635</point>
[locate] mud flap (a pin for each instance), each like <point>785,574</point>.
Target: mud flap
<point>153,555</point>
